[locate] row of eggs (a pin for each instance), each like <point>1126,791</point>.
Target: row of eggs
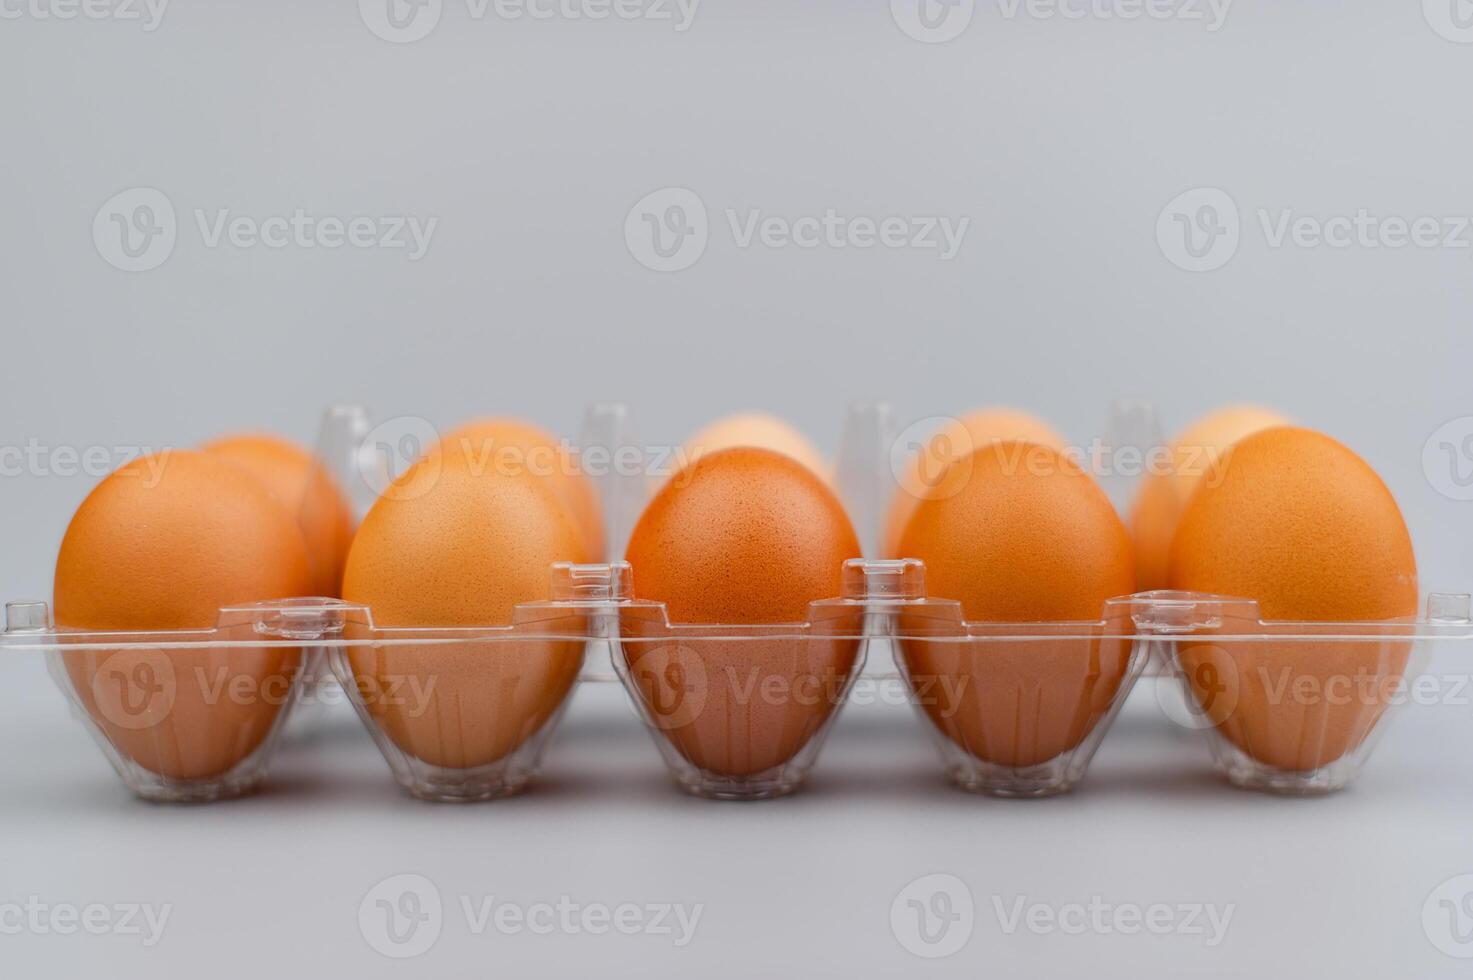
<point>750,532</point>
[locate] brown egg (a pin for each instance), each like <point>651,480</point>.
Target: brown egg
<point>747,536</point>
<point>1303,526</point>
<point>1195,456</point>
<point>922,477</point>
<point>309,494</point>
<point>450,544</point>
<point>164,543</point>
<point>757,430</point>
<point>511,446</point>
<point>1029,537</point>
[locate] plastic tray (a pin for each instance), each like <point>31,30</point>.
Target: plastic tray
<point>736,712</point>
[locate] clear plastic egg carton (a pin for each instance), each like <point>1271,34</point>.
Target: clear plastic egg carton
<point>735,711</point>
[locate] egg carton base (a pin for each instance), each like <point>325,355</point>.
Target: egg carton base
<point>1034,782</point>
<point>1245,773</point>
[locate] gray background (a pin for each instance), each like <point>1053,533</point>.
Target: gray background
<point>1061,140</point>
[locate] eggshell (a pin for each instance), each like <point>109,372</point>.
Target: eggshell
<point>511,446</point>
<point>1303,526</point>
<point>1194,457</point>
<point>747,536</point>
<point>759,431</point>
<point>164,543</point>
<point>452,544</point>
<point>307,491</point>
<point>921,477</point>
<point>1028,537</point>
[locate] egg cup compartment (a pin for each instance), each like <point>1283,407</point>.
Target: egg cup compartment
<point>463,714</point>
<point>1294,708</point>
<point>1017,709</point>
<point>741,712</point>
<point>185,716</point>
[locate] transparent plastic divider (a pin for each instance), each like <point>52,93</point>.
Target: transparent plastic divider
<point>1132,435</point>
<point>195,715</point>
<point>190,715</point>
<point>862,469</point>
<point>740,712</point>
<point>1017,709</point>
<point>345,452</point>
<point>1294,708</point>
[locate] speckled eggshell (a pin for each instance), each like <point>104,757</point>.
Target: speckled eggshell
<point>164,543</point>
<point>451,545</point>
<point>743,536</point>
<point>1028,537</point>
<point>1303,526</point>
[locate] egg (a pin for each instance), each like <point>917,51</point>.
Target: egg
<point>453,544</point>
<point>307,491</point>
<point>1027,537</point>
<point>1303,526</point>
<point>512,446</point>
<point>921,477</point>
<point>748,537</point>
<point>759,431</point>
<point>1195,456</point>
<point>163,543</point>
